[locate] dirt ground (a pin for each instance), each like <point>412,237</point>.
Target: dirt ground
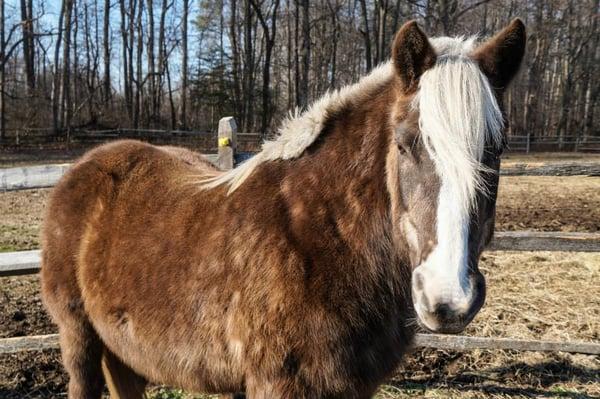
<point>542,295</point>
<point>549,158</point>
<point>549,203</point>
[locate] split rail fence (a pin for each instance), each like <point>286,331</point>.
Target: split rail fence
<point>28,262</point>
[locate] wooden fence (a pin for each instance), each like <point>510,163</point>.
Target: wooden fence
<point>27,262</point>
<point>528,143</point>
<point>79,138</point>
<point>35,137</point>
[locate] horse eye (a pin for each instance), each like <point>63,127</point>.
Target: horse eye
<point>403,150</point>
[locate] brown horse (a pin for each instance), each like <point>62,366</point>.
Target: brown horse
<point>303,272</point>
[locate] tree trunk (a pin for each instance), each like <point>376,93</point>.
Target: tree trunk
<point>130,47</point>
<point>235,59</point>
<point>333,8</point>
<point>2,75</point>
<point>56,81</point>
<point>28,45</point>
<point>366,34</point>
<point>106,47</point>
<point>247,77</point>
<point>89,71</point>
<point>66,81</point>
<point>151,62</point>
<point>184,65</point>
<point>269,33</point>
<point>170,93</point>
<point>161,57</point>
<point>297,52</point>
<point>305,54</point>
<point>75,84</point>
<point>138,79</point>
<point>289,52</point>
<point>124,54</point>
<point>382,14</point>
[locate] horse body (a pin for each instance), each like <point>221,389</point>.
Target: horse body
<point>206,291</point>
<point>298,283</point>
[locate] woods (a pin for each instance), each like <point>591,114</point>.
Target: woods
<point>181,64</point>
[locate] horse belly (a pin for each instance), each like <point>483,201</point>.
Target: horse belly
<point>190,355</point>
<point>163,325</point>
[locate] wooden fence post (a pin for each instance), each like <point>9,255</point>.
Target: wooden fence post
<point>227,141</point>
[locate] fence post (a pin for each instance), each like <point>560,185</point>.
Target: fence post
<point>227,141</point>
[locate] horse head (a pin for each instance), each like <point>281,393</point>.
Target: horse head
<point>443,163</point>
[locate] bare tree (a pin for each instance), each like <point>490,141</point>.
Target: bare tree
<point>235,57</point>
<point>106,48</point>
<point>139,84</point>
<point>2,74</point>
<point>366,34</point>
<point>184,65</point>
<point>162,53</point>
<point>56,123</point>
<point>151,60</point>
<point>269,32</point>
<point>28,45</point>
<point>66,109</point>
<point>304,55</point>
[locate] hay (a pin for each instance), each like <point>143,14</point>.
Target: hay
<point>542,295</point>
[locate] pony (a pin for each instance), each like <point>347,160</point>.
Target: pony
<point>306,271</point>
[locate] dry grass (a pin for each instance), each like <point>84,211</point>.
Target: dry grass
<point>549,158</point>
<point>21,218</point>
<point>543,295</point>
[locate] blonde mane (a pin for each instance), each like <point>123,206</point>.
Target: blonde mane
<point>456,135</point>
<point>458,115</point>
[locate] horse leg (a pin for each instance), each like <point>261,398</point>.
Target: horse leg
<point>81,352</point>
<point>122,381</point>
<point>278,388</point>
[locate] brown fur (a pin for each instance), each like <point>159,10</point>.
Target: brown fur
<point>297,285</point>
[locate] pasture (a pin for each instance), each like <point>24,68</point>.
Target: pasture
<point>541,295</point>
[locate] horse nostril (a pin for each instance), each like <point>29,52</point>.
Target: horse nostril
<point>444,313</point>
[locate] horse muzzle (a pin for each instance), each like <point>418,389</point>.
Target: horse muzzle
<point>447,309</point>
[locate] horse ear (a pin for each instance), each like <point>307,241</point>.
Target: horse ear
<point>412,55</point>
<point>500,57</point>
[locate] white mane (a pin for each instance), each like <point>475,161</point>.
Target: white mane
<point>458,114</point>
<point>455,100</point>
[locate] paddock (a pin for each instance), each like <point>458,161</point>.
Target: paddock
<point>546,248</point>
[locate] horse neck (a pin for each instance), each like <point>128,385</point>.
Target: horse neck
<point>336,193</point>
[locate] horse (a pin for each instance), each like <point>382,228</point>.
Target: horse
<point>304,272</point>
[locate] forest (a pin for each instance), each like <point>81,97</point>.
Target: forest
<point>183,64</point>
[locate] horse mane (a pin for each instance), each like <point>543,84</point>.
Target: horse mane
<point>451,139</point>
<point>458,116</point>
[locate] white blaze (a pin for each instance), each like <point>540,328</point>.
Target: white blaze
<point>444,271</point>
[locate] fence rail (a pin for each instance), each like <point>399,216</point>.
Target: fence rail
<point>23,178</point>
<point>436,341</point>
<point>47,136</point>
<point>528,143</point>
<point>28,262</point>
<point>203,140</point>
